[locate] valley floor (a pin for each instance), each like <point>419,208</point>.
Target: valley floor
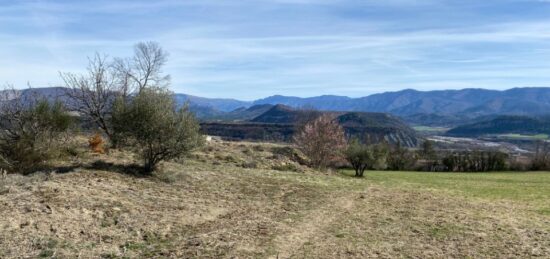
<point>219,204</point>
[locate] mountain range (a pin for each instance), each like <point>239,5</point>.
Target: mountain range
<point>468,111</point>
<point>447,107</point>
<point>444,104</point>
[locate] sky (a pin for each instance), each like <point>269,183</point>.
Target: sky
<point>249,49</point>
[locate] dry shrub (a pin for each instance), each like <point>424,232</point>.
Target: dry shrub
<point>97,144</point>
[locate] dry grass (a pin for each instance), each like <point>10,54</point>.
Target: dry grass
<point>218,204</point>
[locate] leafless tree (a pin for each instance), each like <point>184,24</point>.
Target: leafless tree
<point>541,158</point>
<point>144,69</point>
<point>92,94</point>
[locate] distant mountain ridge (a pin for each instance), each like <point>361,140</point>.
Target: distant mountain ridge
<point>454,104</point>
<point>471,102</point>
<point>465,103</point>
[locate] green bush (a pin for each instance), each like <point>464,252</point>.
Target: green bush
<point>151,124</point>
<point>363,157</point>
<point>31,132</point>
<point>359,156</point>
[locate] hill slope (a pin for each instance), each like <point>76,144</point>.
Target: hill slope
<point>279,123</point>
<point>210,206</point>
<point>503,125</point>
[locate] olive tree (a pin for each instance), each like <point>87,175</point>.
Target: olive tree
<point>363,157</point>
<point>359,156</point>
<point>155,128</point>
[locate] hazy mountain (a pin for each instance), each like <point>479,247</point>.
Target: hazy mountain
<point>220,104</point>
<point>503,125</point>
<point>325,102</point>
<point>467,102</point>
<point>279,114</point>
<point>243,114</point>
<point>433,107</point>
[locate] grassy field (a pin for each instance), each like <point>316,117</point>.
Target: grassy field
<point>432,130</point>
<point>528,137</point>
<point>254,200</point>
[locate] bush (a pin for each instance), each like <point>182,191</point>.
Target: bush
<point>249,164</point>
<point>322,140</point>
<point>363,157</point>
<point>151,124</point>
<point>400,158</point>
<point>541,158</point>
<point>31,130</point>
<point>96,144</point>
<point>285,167</point>
<point>475,161</point>
<point>359,156</point>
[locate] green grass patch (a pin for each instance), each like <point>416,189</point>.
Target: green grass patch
<point>428,129</point>
<point>521,136</point>
<point>531,188</point>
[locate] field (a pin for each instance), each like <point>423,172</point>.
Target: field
<point>237,199</point>
<point>430,130</point>
<point>525,137</point>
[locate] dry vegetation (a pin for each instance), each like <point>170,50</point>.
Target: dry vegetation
<point>238,199</point>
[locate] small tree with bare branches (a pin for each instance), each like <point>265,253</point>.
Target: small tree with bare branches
<point>322,140</point>
<point>144,69</point>
<point>92,94</point>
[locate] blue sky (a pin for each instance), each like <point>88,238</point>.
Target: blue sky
<point>248,49</point>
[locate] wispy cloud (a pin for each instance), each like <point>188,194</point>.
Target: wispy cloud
<point>252,48</point>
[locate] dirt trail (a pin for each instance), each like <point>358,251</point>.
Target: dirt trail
<point>311,226</point>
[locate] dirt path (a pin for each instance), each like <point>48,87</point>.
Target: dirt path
<point>311,226</point>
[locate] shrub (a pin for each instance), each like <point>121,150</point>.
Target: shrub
<point>286,167</point>
<point>31,130</point>
<point>93,93</point>
<point>321,140</point>
<point>359,156</point>
<point>541,158</point>
<point>363,157</point>
<point>400,158</point>
<point>151,124</point>
<point>249,164</point>
<point>96,144</point>
<point>427,150</point>
<point>477,161</point>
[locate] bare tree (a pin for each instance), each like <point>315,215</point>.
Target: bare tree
<point>541,158</point>
<point>144,69</point>
<point>92,94</point>
<point>322,140</point>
